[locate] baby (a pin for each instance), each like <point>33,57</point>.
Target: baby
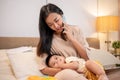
<point>75,63</point>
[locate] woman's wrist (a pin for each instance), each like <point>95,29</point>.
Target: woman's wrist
<point>72,40</point>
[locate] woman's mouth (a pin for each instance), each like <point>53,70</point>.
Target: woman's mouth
<point>60,28</point>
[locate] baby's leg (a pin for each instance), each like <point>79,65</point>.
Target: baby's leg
<point>96,69</point>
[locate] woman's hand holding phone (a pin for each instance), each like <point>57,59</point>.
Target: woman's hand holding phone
<point>67,32</point>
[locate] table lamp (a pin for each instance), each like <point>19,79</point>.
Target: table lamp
<point>107,24</point>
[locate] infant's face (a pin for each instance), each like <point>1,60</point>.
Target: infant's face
<point>56,61</point>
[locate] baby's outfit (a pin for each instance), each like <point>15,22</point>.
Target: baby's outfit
<point>81,62</point>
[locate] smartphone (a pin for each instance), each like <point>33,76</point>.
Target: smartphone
<point>63,35</point>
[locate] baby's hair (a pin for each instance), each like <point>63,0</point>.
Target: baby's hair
<point>48,58</point>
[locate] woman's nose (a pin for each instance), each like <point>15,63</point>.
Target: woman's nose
<point>56,25</point>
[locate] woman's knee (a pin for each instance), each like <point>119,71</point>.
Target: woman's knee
<point>68,74</point>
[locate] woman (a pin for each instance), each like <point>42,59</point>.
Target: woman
<point>59,37</point>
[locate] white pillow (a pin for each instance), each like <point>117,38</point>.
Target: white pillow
<point>105,58</point>
<point>5,68</point>
<point>20,49</point>
<point>24,63</point>
<point>3,55</point>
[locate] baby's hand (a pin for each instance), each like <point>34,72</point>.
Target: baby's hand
<point>75,64</point>
<point>80,71</point>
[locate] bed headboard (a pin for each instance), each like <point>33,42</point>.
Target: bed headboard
<point>12,42</point>
<point>93,42</point>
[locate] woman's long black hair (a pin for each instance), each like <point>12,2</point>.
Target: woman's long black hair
<point>46,34</point>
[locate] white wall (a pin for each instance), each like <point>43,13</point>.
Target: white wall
<point>107,7</point>
<point>19,18</point>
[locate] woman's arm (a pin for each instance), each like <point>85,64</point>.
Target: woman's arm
<point>82,52</point>
<point>50,71</point>
<point>79,48</point>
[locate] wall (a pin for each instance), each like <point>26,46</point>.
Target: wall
<point>19,18</point>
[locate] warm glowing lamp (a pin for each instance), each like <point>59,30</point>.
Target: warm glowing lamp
<point>107,24</point>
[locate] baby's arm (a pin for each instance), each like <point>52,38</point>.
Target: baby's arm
<point>72,65</point>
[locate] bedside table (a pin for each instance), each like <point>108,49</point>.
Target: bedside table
<point>117,55</point>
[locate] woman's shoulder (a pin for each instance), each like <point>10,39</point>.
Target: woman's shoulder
<point>75,28</point>
<point>73,25</point>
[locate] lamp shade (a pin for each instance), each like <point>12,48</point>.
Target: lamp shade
<point>107,23</point>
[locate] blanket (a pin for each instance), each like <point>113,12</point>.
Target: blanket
<point>41,78</point>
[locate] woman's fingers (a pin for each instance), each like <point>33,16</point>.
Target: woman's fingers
<point>67,31</point>
<point>66,27</point>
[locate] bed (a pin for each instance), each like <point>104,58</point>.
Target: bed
<point>18,58</point>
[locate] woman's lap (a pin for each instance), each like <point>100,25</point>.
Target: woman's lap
<point>68,74</point>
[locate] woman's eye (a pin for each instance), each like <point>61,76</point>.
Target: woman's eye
<point>50,25</point>
<point>57,20</point>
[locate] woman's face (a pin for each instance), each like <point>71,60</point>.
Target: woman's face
<point>54,21</point>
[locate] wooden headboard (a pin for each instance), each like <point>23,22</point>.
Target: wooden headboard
<point>13,42</point>
<point>93,42</point>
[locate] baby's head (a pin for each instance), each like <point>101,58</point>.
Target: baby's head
<point>54,60</point>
